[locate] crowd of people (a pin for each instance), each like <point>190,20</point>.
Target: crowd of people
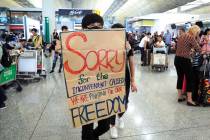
<point>12,43</point>
<point>188,44</point>
<point>145,42</point>
<point>92,21</point>
<point>192,47</point>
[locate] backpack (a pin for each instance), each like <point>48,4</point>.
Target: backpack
<point>6,59</point>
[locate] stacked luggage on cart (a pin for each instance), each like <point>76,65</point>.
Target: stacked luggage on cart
<point>159,59</point>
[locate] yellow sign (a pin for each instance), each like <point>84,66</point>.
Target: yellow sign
<point>97,12</point>
<point>145,22</point>
<point>94,69</point>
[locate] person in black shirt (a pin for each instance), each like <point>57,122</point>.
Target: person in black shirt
<point>3,97</point>
<point>94,21</point>
<point>6,45</point>
<point>55,35</point>
<point>129,82</point>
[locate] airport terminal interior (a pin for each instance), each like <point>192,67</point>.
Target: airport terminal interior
<point>104,69</point>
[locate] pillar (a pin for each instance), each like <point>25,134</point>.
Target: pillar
<point>48,11</point>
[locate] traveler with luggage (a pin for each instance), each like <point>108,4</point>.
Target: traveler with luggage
<point>168,39</point>
<point>197,63</point>
<point>201,72</point>
<point>185,44</point>
<point>37,39</point>
<point>55,35</point>
<point>58,53</point>
<point>159,43</point>
<point>145,59</point>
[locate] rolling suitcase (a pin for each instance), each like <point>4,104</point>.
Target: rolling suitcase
<point>147,57</point>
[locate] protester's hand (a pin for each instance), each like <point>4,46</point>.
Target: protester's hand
<point>127,45</point>
<point>133,87</point>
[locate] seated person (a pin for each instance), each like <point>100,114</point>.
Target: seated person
<point>159,43</point>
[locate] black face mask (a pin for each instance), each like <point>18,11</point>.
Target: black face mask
<point>95,27</point>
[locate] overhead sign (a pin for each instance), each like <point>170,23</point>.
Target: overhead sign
<point>144,22</point>
<point>94,69</point>
<point>74,12</point>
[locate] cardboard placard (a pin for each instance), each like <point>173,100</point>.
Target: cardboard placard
<point>94,69</point>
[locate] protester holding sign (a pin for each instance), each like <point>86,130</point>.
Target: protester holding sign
<point>130,82</point>
<point>94,69</point>
<point>94,21</point>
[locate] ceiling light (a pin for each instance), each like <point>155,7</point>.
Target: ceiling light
<point>117,4</point>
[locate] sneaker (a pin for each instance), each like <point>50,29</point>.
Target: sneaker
<point>113,131</point>
<point>2,106</point>
<point>121,124</point>
<point>51,71</point>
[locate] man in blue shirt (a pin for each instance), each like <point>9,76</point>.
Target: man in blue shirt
<point>168,39</point>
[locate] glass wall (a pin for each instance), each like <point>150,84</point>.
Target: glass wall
<point>17,16</point>
<point>71,18</point>
<point>4,16</point>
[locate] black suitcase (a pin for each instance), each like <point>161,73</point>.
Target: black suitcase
<point>147,57</point>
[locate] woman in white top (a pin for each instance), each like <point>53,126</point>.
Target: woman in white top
<point>143,46</point>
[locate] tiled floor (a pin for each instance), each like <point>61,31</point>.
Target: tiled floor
<point>40,112</point>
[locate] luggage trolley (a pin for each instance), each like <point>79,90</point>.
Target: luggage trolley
<point>159,59</point>
<point>41,63</point>
<point>8,75</point>
<point>28,66</point>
